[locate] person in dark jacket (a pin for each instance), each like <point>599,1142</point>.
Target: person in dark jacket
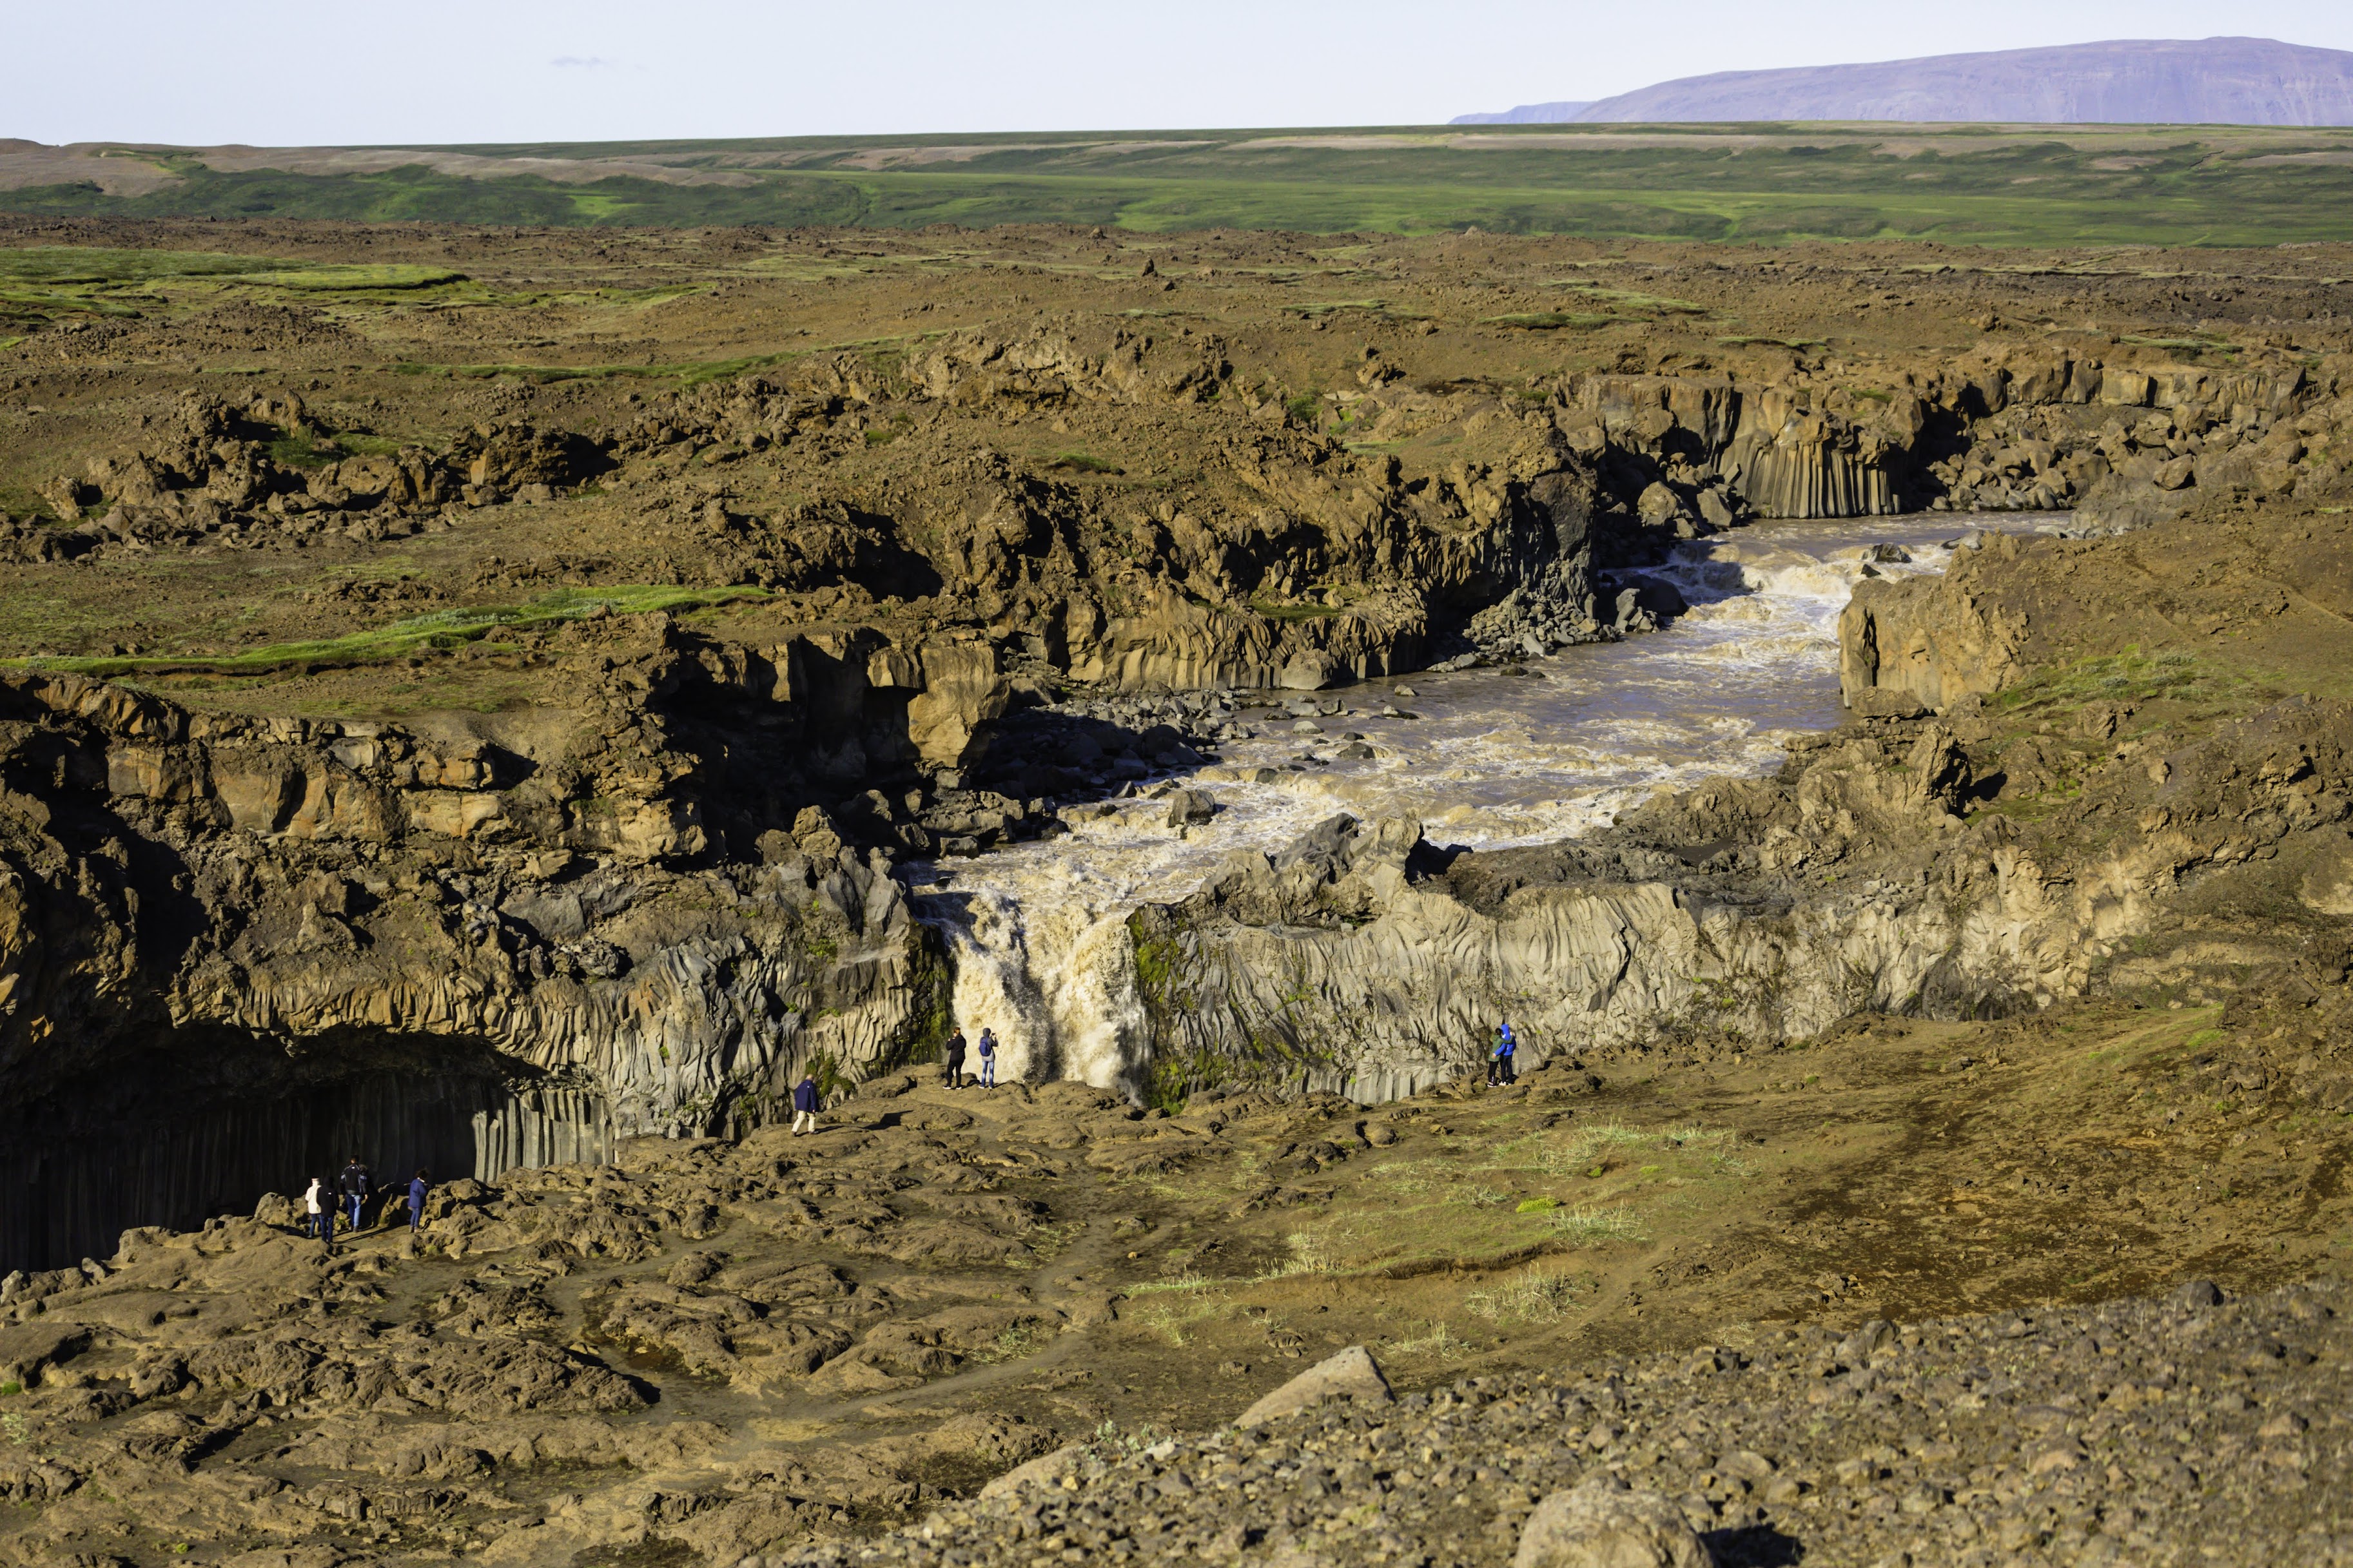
<point>1498,1062</point>
<point>353,1187</point>
<point>955,1052</point>
<point>805,1103</point>
<point>988,1059</point>
<point>418,1186</point>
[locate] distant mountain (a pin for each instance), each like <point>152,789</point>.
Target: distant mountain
<point>2211,81</point>
<point>1527,114</point>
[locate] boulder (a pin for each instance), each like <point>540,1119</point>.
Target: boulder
<point>2197,1295</point>
<point>1598,1525</point>
<point>1312,672</point>
<point>1190,805</point>
<point>1886,702</point>
<point>1659,504</point>
<point>1351,1375</point>
<point>1047,1469</point>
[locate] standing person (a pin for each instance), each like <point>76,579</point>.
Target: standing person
<point>317,1221</point>
<point>805,1105</point>
<point>1499,1065</point>
<point>418,1186</point>
<point>955,1049</point>
<point>988,1059</point>
<point>353,1187</point>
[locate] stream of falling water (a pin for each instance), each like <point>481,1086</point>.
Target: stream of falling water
<point>1037,933</point>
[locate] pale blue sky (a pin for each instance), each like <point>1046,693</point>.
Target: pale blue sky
<point>490,70</point>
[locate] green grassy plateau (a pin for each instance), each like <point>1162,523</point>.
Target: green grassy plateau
<point>1974,183</point>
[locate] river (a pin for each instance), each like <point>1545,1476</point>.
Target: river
<point>1036,932</point>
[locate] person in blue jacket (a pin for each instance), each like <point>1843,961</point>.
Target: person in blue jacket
<point>418,1186</point>
<point>1498,1062</point>
<point>805,1101</point>
<point>988,1059</point>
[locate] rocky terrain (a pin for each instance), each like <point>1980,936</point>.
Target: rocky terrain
<point>714,1350</point>
<point>2186,1429</point>
<point>486,710</point>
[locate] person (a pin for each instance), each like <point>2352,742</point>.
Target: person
<point>954,1050</point>
<point>1499,1065</point>
<point>988,1059</point>
<point>355,1186</point>
<point>318,1222</point>
<point>418,1186</point>
<point>805,1105</point>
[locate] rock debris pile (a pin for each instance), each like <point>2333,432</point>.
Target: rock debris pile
<point>2182,1428</point>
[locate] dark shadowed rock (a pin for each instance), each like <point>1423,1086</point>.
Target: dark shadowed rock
<point>2197,1295</point>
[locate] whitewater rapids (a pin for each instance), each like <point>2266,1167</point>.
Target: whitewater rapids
<point>1036,932</point>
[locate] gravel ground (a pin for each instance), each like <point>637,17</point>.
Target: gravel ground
<point>2185,1428</point>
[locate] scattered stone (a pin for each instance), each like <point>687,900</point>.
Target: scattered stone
<point>1352,1376</point>
<point>1603,1525</point>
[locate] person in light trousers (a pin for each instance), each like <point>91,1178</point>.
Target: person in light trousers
<point>805,1106</point>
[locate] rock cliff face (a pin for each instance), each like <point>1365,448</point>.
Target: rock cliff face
<point>221,937</point>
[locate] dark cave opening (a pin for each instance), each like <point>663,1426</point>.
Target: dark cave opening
<point>192,1128</point>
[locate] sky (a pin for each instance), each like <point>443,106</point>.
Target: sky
<point>436,71</point>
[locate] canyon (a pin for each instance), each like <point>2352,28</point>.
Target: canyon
<point>536,719</point>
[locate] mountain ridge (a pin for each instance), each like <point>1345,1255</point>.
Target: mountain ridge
<point>2221,81</point>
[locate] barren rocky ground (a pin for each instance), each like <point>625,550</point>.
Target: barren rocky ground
<point>484,687</point>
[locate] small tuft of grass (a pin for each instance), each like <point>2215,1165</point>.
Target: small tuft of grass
<point>1534,1296</point>
<point>1588,1226</point>
<point>1437,1341</point>
<point>1296,612</point>
<point>1549,320</point>
<point>1311,1253</point>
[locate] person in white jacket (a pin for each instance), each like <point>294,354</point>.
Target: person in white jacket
<point>314,1210</point>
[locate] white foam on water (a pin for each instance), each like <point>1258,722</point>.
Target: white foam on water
<point>1037,931</point>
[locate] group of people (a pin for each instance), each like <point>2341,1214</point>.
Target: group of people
<point>349,1195</point>
<point>809,1100</point>
<point>1499,1060</point>
<point>954,1051</point>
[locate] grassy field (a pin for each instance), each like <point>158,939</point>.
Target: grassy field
<point>1991,185</point>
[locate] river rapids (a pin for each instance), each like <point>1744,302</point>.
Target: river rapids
<point>1038,934</point>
